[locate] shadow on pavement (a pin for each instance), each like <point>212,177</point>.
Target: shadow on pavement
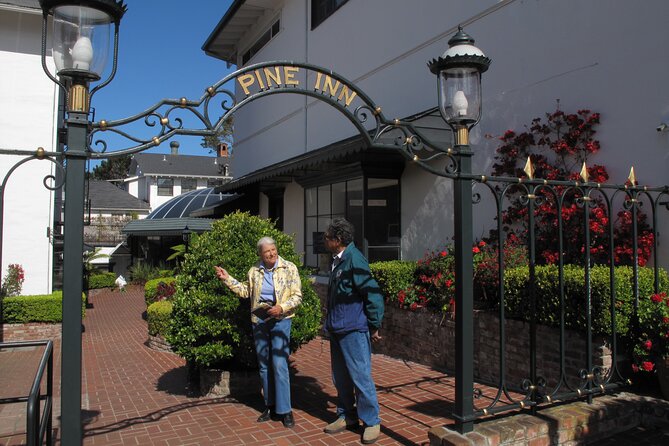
<point>152,416</point>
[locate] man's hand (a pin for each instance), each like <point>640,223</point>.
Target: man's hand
<point>275,311</point>
<point>375,336</point>
<point>221,273</point>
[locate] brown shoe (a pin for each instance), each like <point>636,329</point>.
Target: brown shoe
<point>340,425</point>
<point>371,434</point>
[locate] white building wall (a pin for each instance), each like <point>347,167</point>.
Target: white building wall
<point>132,187</point>
<point>27,121</point>
<point>604,55</point>
<point>293,214</point>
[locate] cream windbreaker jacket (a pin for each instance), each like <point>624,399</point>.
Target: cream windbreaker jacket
<point>287,287</point>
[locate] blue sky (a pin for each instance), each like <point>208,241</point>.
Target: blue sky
<point>160,56</point>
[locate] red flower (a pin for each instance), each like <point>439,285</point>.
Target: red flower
<point>476,250</point>
<point>647,366</point>
<point>648,344</point>
<point>656,298</point>
<point>413,306</point>
<point>482,244</point>
<point>635,368</point>
<point>443,253</point>
<point>665,320</point>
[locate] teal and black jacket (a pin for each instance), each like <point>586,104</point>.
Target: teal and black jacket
<point>355,302</point>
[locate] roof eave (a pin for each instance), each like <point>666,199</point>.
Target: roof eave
<point>219,27</point>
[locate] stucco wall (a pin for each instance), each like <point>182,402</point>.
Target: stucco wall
<point>293,214</point>
<point>27,121</point>
<point>574,51</point>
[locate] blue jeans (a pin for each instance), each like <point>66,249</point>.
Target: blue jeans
<point>272,340</point>
<point>351,357</point>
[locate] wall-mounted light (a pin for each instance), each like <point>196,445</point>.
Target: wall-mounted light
<point>663,127</point>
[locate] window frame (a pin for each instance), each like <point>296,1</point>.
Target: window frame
<point>361,232</point>
<point>272,30</point>
<point>194,180</point>
<point>330,7</point>
<point>160,188</point>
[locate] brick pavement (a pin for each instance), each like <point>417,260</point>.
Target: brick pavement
<point>135,395</point>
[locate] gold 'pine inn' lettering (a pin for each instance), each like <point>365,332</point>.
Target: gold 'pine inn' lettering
<point>283,76</point>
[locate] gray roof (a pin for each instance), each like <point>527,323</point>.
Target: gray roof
<point>105,196</point>
<point>167,226</point>
<point>30,4</point>
<point>179,165</point>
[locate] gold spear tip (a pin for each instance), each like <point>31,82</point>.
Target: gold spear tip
<point>529,169</point>
<point>632,177</point>
<point>584,173</point>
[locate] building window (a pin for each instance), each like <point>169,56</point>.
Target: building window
<point>377,225</point>
<point>262,41</point>
<point>165,187</point>
<point>188,184</point>
<point>214,183</point>
<point>322,9</point>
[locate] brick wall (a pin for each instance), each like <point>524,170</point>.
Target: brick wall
<point>30,332</point>
<point>428,338</point>
<point>565,425</point>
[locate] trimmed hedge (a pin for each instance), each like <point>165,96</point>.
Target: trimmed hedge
<point>38,308</point>
<point>101,280</point>
<point>151,288</point>
<point>516,292</point>
<point>393,276</point>
<point>158,316</point>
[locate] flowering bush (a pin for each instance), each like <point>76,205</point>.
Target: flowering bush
<point>652,343</point>
<point>486,272</point>
<point>13,281</point>
<point>434,281</point>
<point>558,147</point>
<point>165,291</point>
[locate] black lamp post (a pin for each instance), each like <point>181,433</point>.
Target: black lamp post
<point>81,36</point>
<point>185,235</point>
<point>458,72</point>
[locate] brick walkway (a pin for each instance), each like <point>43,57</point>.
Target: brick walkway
<point>135,395</point>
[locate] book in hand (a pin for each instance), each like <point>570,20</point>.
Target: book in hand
<point>260,311</point>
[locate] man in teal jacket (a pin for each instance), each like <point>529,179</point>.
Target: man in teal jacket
<point>354,314</point>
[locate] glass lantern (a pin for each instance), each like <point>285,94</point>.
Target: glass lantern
<point>80,40</point>
<point>81,35</point>
<point>458,72</point>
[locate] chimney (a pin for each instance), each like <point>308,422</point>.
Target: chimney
<point>222,150</point>
<point>174,147</point>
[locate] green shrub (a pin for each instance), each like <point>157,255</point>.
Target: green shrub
<point>38,308</point>
<point>151,289</point>
<point>158,316</point>
<point>211,326</point>
<point>393,276</point>
<point>165,273</point>
<point>101,280</point>
<point>517,302</point>
<point>142,272</point>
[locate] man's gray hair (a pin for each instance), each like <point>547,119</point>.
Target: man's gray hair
<point>264,241</point>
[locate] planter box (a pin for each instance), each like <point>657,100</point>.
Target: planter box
<point>30,331</point>
<point>222,383</point>
<point>158,343</point>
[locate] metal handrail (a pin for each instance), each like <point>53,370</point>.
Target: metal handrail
<point>36,426</point>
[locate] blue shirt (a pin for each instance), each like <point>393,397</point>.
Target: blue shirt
<point>267,290</point>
